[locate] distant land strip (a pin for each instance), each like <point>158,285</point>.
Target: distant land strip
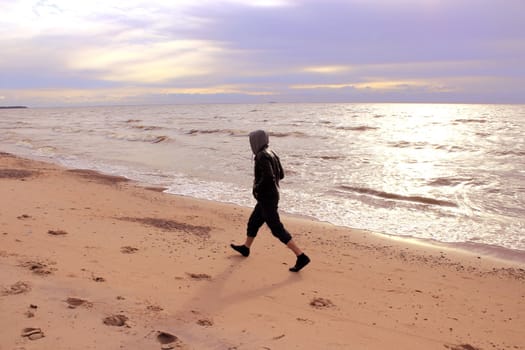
<point>12,107</point>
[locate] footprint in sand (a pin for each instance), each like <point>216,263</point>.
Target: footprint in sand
<point>29,314</point>
<point>73,303</point>
<point>166,338</point>
<point>128,250</point>
<point>205,322</point>
<point>199,276</point>
<point>321,303</point>
<point>57,232</point>
<point>115,320</point>
<point>32,333</point>
<point>37,267</point>
<point>17,288</point>
<point>154,308</point>
<point>305,320</point>
<point>169,341</point>
<point>16,173</point>
<point>461,347</point>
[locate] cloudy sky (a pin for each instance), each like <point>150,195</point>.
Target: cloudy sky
<point>66,52</point>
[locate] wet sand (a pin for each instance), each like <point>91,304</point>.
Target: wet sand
<point>89,261</point>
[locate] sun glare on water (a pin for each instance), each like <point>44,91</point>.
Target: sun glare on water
<point>421,139</point>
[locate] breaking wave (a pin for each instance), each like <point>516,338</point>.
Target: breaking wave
<point>357,128</point>
<point>140,138</point>
<point>147,127</point>
<point>423,145</point>
<point>230,132</point>
<point>449,181</point>
<point>399,197</point>
<point>286,134</point>
<point>470,121</point>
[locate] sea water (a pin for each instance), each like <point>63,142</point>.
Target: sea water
<point>444,172</point>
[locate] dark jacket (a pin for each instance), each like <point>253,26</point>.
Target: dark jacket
<point>268,171</point>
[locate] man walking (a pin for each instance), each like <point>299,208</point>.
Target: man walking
<point>268,172</point>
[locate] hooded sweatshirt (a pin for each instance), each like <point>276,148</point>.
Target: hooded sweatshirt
<point>267,170</point>
<point>259,139</point>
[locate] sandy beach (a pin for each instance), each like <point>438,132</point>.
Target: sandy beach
<point>89,261</point>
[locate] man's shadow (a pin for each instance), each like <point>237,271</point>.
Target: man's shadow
<point>210,300</point>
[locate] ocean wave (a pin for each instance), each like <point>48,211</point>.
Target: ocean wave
<point>147,127</point>
<point>17,125</point>
<point>234,132</point>
<point>25,143</point>
<point>140,138</point>
<point>407,144</point>
<point>329,157</point>
<point>399,197</point>
<point>159,139</point>
<point>357,128</point>
<point>449,181</point>
<point>286,134</point>
<point>133,123</point>
<point>68,129</point>
<point>423,145</point>
<point>518,153</point>
<point>451,148</point>
<point>470,120</point>
<point>230,132</point>
<point>47,149</point>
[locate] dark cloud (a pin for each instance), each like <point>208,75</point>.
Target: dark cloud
<point>331,32</point>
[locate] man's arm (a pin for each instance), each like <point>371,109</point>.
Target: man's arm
<point>266,180</point>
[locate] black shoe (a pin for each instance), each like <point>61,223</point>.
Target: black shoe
<point>302,261</point>
<point>244,250</point>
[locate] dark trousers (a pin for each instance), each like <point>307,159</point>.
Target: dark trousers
<point>266,212</point>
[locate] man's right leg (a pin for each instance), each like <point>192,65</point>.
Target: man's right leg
<point>271,215</point>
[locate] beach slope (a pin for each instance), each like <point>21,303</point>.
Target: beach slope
<point>89,261</point>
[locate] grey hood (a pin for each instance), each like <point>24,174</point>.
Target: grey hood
<point>259,139</point>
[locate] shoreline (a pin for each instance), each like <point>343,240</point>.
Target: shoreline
<point>496,252</point>
<point>503,254</point>
<point>138,268</point>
